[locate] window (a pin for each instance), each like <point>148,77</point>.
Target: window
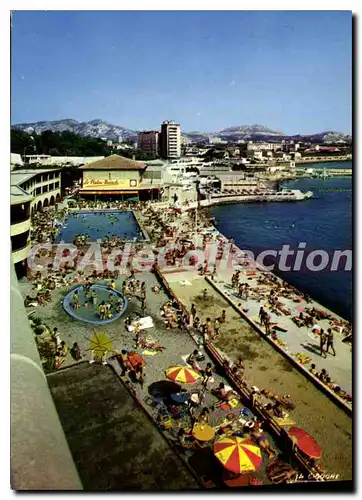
<point>19,241</point>
<point>20,213</point>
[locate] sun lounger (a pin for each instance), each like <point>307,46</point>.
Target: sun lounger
<point>142,324</point>
<point>284,422</point>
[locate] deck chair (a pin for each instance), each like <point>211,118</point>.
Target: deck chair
<point>207,482</point>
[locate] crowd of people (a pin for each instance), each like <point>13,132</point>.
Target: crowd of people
<point>163,228</point>
<point>308,318</point>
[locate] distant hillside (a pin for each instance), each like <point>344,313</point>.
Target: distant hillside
<point>101,129</point>
<point>95,128</point>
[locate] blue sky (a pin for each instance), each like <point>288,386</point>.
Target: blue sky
<point>291,71</point>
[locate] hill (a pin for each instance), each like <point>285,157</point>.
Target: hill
<point>101,129</point>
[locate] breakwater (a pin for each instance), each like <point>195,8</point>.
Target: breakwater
<point>331,172</point>
<point>322,159</point>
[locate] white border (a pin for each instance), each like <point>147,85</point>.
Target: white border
<point>5,153</point>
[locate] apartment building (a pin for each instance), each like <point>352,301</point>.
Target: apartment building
<point>42,185</point>
<point>30,190</point>
<point>170,140</point>
<point>147,141</point>
<point>20,227</point>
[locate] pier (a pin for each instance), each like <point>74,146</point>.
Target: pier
<point>322,159</point>
<point>330,172</point>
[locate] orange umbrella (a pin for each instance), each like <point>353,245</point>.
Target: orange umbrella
<point>237,454</point>
<point>182,374</point>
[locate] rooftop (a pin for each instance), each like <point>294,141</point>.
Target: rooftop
<point>19,195</point>
<point>114,444</point>
<point>16,159</point>
<point>19,176</point>
<point>157,162</point>
<point>115,162</point>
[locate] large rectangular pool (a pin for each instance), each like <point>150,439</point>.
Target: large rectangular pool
<point>99,223</point>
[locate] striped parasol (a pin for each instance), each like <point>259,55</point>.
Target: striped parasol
<point>100,344</point>
<point>182,374</point>
<point>238,455</point>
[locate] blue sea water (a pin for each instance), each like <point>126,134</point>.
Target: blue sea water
<point>323,222</point>
<point>98,224</point>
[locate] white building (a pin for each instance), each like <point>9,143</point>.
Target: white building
<point>217,140</point>
<point>42,185</point>
<point>59,161</point>
<point>15,160</point>
<point>20,227</point>
<point>263,146</point>
<point>30,190</point>
<point>170,140</point>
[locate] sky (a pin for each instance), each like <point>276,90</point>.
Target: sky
<point>288,70</point>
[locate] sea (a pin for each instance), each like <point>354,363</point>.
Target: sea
<point>323,222</point>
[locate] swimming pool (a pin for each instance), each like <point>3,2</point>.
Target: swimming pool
<point>99,223</point>
<point>90,313</point>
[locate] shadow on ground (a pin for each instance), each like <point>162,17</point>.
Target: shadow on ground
<point>114,444</point>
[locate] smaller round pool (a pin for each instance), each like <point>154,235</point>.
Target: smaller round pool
<point>88,304</point>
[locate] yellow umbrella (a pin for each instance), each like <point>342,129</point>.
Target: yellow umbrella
<point>182,374</point>
<point>100,343</point>
<point>237,454</point>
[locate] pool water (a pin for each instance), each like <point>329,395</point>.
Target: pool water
<point>99,223</point>
<point>89,313</point>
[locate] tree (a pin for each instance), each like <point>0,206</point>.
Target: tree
<point>58,144</point>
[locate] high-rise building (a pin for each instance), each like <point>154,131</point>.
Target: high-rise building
<point>147,141</point>
<point>170,140</point>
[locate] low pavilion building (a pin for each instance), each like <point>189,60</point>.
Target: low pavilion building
<point>117,177</point>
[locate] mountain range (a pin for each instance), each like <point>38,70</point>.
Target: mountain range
<point>103,129</point>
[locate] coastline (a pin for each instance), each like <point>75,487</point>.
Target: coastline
<point>257,266</point>
<point>320,159</point>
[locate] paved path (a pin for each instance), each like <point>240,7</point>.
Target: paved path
<point>297,339</point>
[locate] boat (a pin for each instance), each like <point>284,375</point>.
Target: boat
<point>324,175</point>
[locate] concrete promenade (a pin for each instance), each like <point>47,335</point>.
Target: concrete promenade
<point>295,339</point>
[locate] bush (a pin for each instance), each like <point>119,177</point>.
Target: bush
<point>38,330</point>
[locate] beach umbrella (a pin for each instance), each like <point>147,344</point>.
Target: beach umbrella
<point>182,374</point>
<point>305,442</point>
<point>101,343</point>
<point>163,388</point>
<point>237,454</point>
